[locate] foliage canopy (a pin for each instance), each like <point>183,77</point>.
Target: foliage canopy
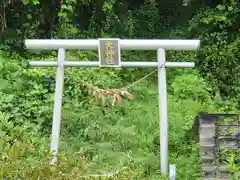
<point>97,138</point>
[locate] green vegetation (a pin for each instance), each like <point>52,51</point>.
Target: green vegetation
<point>97,137</point>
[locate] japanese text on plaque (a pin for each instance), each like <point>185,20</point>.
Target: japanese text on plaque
<point>109,52</point>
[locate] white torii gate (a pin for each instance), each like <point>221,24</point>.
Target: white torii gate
<point>109,56</point>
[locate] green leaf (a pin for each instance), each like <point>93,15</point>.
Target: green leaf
<point>3,84</point>
<point>223,18</point>
<point>26,25</point>
<point>25,2</point>
<point>62,14</point>
<point>230,8</point>
<point>29,16</point>
<point>70,8</point>
<point>35,2</point>
<point>64,6</point>
<point>2,133</point>
<point>221,7</point>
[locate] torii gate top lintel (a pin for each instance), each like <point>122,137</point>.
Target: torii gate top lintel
<point>133,44</point>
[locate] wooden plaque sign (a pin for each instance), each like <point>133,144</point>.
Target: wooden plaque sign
<point>109,52</point>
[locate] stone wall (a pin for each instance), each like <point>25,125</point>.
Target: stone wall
<point>217,137</point>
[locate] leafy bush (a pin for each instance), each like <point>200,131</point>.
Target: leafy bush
<point>191,87</point>
<point>218,28</point>
<point>96,138</point>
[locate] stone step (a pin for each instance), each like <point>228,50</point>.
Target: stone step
<point>206,133</point>
<point>205,145</point>
<point>222,124</point>
<point>206,141</point>
<point>222,146</point>
<point>223,168</point>
<point>226,146</point>
<point>207,126</point>
<point>211,168</point>
<point>207,157</point>
<point>228,137</point>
